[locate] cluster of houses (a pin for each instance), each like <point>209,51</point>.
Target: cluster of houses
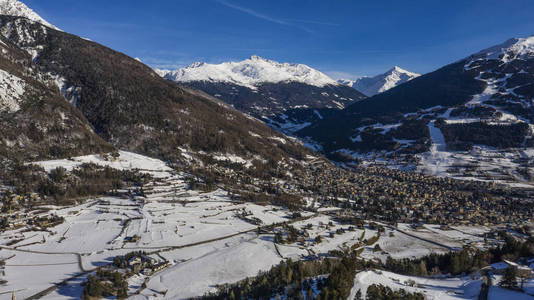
<point>140,263</point>
<point>21,219</point>
<point>375,192</point>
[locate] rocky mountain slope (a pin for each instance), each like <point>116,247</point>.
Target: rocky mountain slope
<point>472,118</point>
<point>131,107</point>
<point>371,86</point>
<point>19,9</point>
<point>286,96</point>
<point>35,120</point>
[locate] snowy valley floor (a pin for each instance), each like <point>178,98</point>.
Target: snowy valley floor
<point>204,238</point>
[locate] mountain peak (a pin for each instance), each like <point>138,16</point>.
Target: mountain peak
<point>510,49</point>
<point>18,9</point>
<point>250,72</point>
<point>257,57</point>
<point>399,70</point>
<point>196,64</point>
<point>373,85</point>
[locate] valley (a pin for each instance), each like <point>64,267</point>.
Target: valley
<point>189,231</point>
<point>257,178</point>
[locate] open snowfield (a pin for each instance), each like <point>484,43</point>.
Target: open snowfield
<point>126,161</point>
<point>403,246</point>
<point>231,263</point>
<point>432,289</point>
<point>467,287</point>
<point>481,163</point>
<point>498,293</point>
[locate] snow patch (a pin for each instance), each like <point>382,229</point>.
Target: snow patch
<point>125,161</point>
<point>11,90</point>
<point>449,288</point>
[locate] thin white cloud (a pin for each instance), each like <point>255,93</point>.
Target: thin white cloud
<point>265,17</point>
<point>253,13</point>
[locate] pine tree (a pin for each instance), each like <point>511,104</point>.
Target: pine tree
<point>422,268</point>
<point>455,265</point>
<point>358,295</point>
<point>509,279</point>
<point>523,275</point>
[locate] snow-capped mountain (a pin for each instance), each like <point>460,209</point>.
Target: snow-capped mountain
<point>249,73</point>
<point>371,86</point>
<point>18,9</point>
<point>348,82</point>
<point>515,48</point>
<point>286,96</point>
<point>474,116</point>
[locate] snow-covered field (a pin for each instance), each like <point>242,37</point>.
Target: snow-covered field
<point>99,230</point>
<point>481,163</point>
<point>498,293</point>
<point>126,161</point>
<point>432,289</point>
<point>231,262</point>
<point>442,287</point>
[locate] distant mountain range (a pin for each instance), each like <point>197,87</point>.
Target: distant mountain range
<point>249,73</point>
<point>286,96</point>
<point>371,86</point>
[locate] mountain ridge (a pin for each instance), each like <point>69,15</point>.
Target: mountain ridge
<point>249,73</point>
<point>371,86</point>
<point>286,96</point>
<point>35,121</point>
<point>19,9</point>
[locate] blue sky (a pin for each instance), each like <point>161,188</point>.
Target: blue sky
<point>343,38</point>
